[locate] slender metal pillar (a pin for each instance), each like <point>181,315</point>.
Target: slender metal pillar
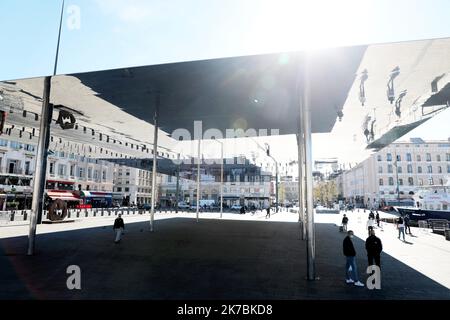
<point>276,185</point>
<point>221,182</point>
<point>221,178</point>
<point>155,158</point>
<point>310,229</point>
<point>198,177</point>
<point>301,184</point>
<point>177,192</point>
<point>41,165</point>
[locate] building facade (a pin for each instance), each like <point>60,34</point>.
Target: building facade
<point>397,172</point>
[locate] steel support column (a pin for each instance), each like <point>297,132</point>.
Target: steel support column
<point>306,121</point>
<point>155,158</point>
<point>41,165</point>
<point>198,178</point>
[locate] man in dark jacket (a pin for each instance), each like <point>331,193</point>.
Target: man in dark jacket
<point>350,254</point>
<point>407,224</point>
<point>118,227</point>
<point>268,212</point>
<point>374,248</point>
<point>377,217</point>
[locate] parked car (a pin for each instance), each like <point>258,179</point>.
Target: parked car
<point>183,206</point>
<point>236,207</point>
<point>144,206</point>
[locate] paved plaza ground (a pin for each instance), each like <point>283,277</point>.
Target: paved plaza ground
<point>239,257</point>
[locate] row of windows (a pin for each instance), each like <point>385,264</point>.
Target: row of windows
<point>409,169</point>
<point>418,157</point>
<point>410,181</point>
<point>80,173</point>
<point>17,145</point>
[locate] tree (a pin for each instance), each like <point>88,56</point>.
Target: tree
<point>325,192</point>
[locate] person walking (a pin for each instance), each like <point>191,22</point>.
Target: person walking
<point>370,224</point>
<point>344,223</point>
<point>350,255</point>
<point>401,227</point>
<point>118,227</point>
<point>373,248</point>
<point>268,212</point>
<point>377,218</point>
<point>407,225</point>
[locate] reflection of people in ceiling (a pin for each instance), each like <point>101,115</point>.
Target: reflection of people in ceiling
<point>362,91</point>
<point>365,127</point>
<point>390,85</point>
<point>398,103</point>
<point>372,130</point>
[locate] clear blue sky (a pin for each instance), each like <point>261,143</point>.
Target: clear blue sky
<point>119,33</point>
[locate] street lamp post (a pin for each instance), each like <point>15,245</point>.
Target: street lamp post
<point>276,175</point>
<point>177,192</point>
<point>267,150</point>
<point>221,177</point>
<point>396,177</point>
<point>198,178</point>
<point>155,158</point>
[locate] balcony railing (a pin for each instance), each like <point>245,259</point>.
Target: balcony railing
<point>17,171</point>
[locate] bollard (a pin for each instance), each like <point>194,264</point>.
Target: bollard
<point>78,214</point>
<point>25,216</point>
<point>68,214</point>
<point>12,215</point>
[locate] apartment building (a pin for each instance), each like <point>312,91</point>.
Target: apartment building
<point>397,171</point>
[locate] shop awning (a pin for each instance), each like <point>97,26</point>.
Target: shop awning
<point>66,196</point>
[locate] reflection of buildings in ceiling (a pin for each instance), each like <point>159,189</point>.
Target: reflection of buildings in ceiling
<point>235,169</point>
<point>106,127</point>
<point>81,142</point>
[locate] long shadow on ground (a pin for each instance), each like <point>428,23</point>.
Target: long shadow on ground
<point>211,259</point>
